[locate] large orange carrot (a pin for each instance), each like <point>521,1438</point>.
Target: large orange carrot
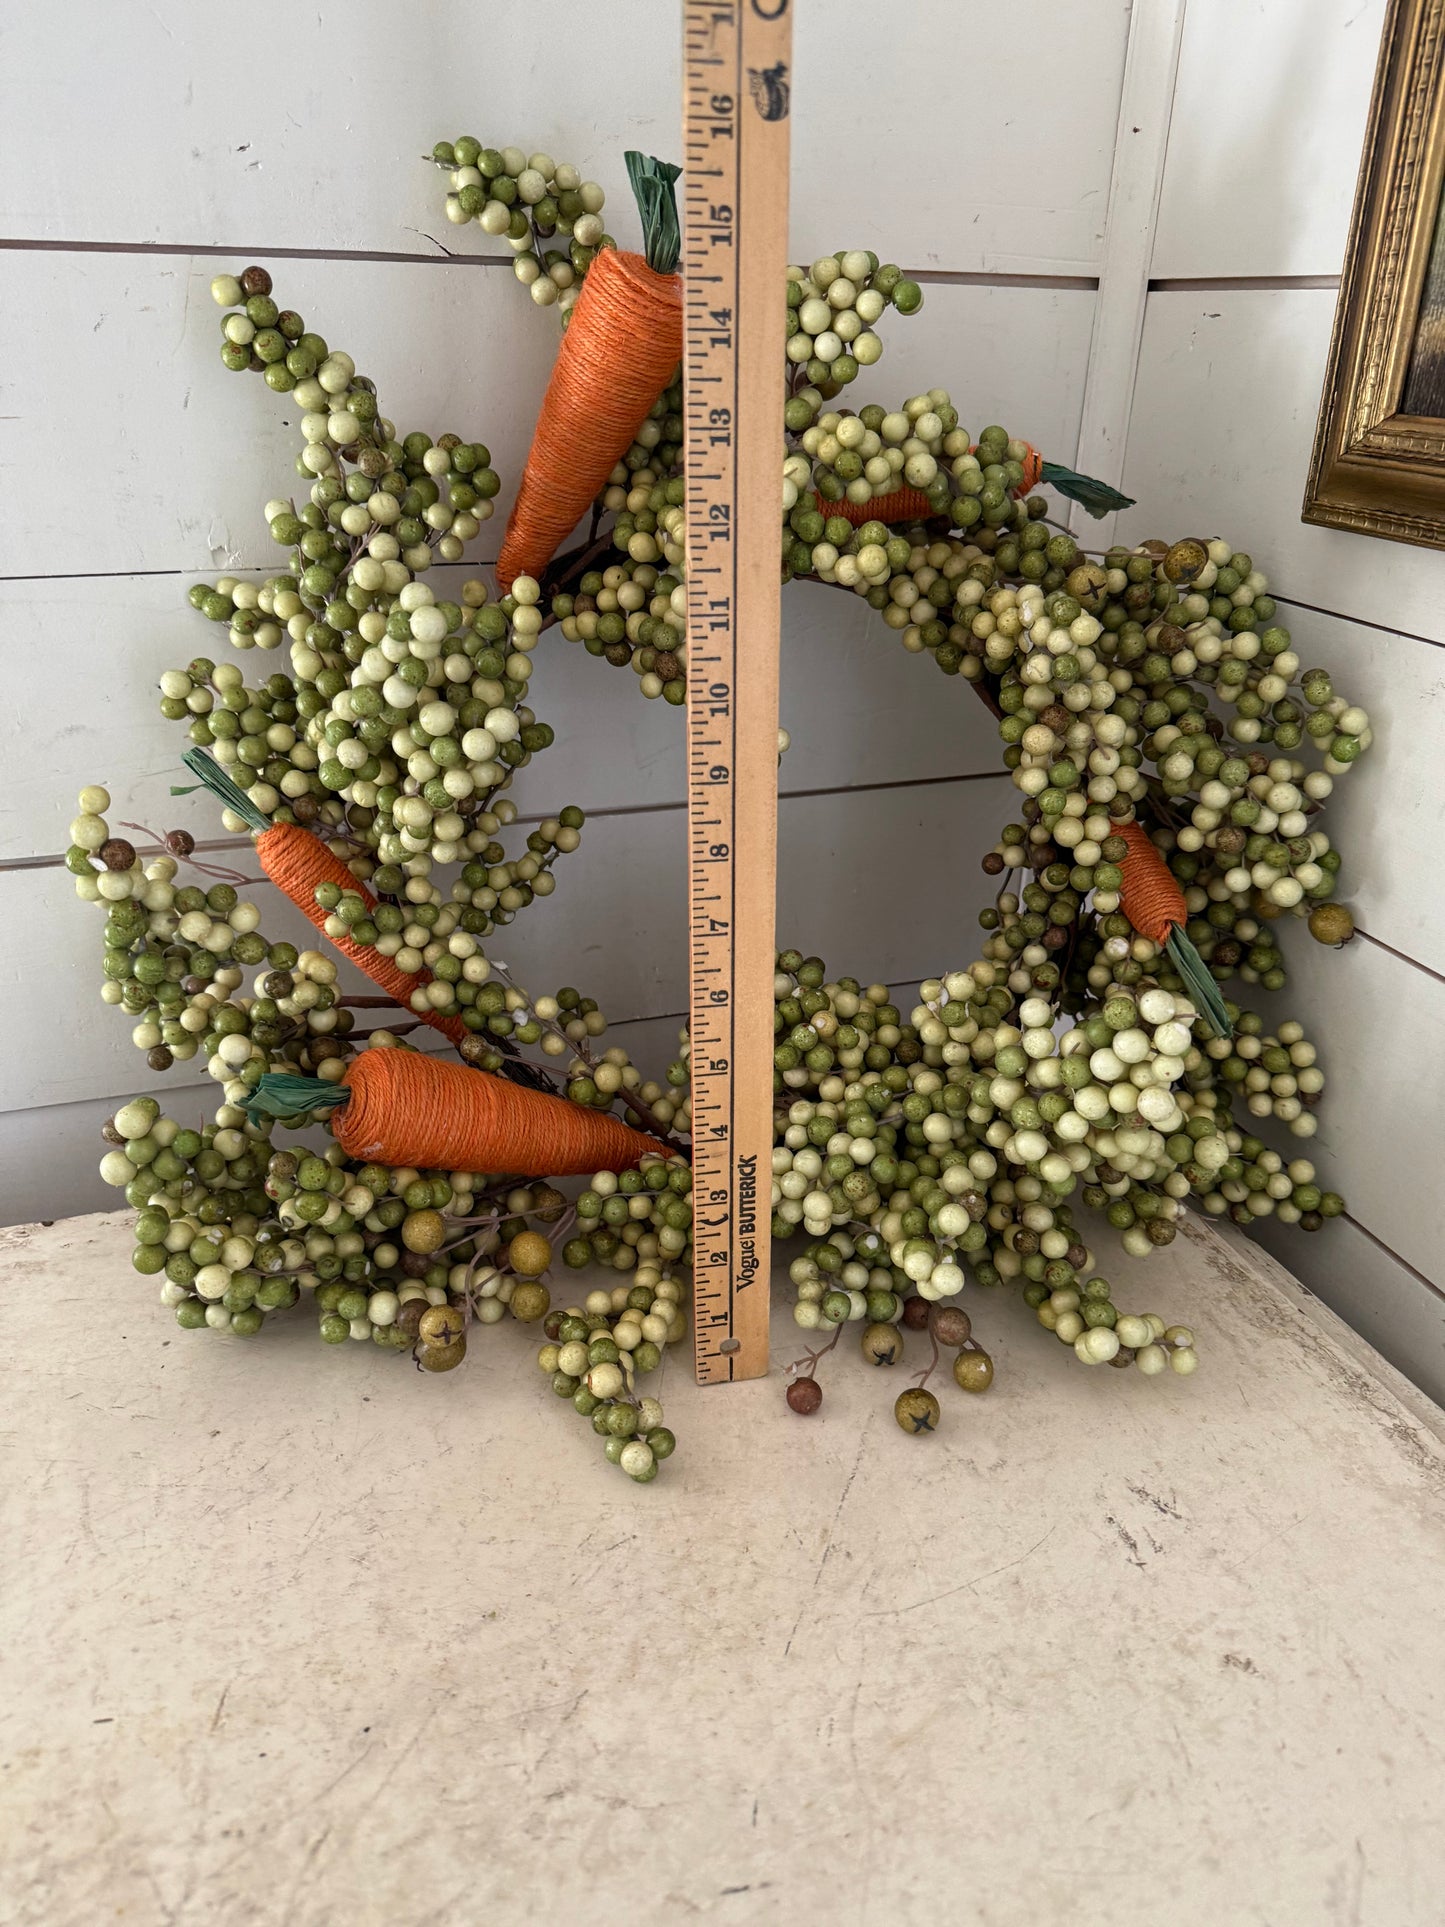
<point>621,349</point>
<point>401,1108</point>
<point>1152,900</point>
<point>296,861</point>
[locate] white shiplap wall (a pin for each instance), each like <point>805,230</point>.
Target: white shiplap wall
<point>1268,118</point>
<point>110,382</point>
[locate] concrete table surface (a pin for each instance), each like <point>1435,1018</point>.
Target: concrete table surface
<point>299,1636</point>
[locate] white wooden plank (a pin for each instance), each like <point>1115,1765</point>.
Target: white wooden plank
<point>882,885</point>
<point>1269,118</point>
<point>1223,423</point>
<point>859,708</point>
<point>129,362</point>
<point>1385,814</point>
<point>1011,355</point>
<point>1033,149</point>
<point>1385,1302</point>
<point>326,154</point>
<point>111,367</point>
<point>1379,1024</point>
<point>1139,148</point>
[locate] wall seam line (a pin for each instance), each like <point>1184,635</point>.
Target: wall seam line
<point>1437,1291</point>
<point>1403,955</point>
<point>16,865</point>
<point>1240,283</point>
<point>1363,622</point>
<point>935,277</point>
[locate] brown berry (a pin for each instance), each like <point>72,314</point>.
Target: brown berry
<point>950,1325</point>
<point>529,1254</point>
<point>117,854</point>
<point>442,1358</point>
<point>409,1318</point>
<point>916,1410</point>
<point>667,665</point>
<point>1184,560</point>
<point>530,1302</point>
<point>423,1231</point>
<point>915,1313</point>
<point>180,842</point>
<point>255,281</point>
<point>1329,922</point>
<point>110,1133</point>
<point>441,1325</point>
<point>973,1371</point>
<point>159,1059</point>
<point>804,1396</point>
<point>548,1203</point>
<point>881,1344</point>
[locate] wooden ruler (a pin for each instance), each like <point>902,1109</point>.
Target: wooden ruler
<point>737,70</point>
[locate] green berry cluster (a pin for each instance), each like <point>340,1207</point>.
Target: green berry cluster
<point>528,200</point>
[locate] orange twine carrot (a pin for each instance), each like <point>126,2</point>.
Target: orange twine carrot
<point>912,505</point>
<point>620,351</point>
<point>1150,896</point>
<point>296,861</point>
<point>425,1113</point>
<point>902,505</point>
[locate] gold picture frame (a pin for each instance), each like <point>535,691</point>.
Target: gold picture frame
<point>1379,456</point>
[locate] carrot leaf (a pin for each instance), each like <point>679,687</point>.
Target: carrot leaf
<point>281,1095</point>
<point>215,779</point>
<point>652,181</point>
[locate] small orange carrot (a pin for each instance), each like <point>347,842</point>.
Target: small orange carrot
<point>1152,900</point>
<point>912,505</point>
<point>296,862</point>
<point>403,1109</point>
<point>1150,897</point>
<point>620,351</point>
<point>902,505</point>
